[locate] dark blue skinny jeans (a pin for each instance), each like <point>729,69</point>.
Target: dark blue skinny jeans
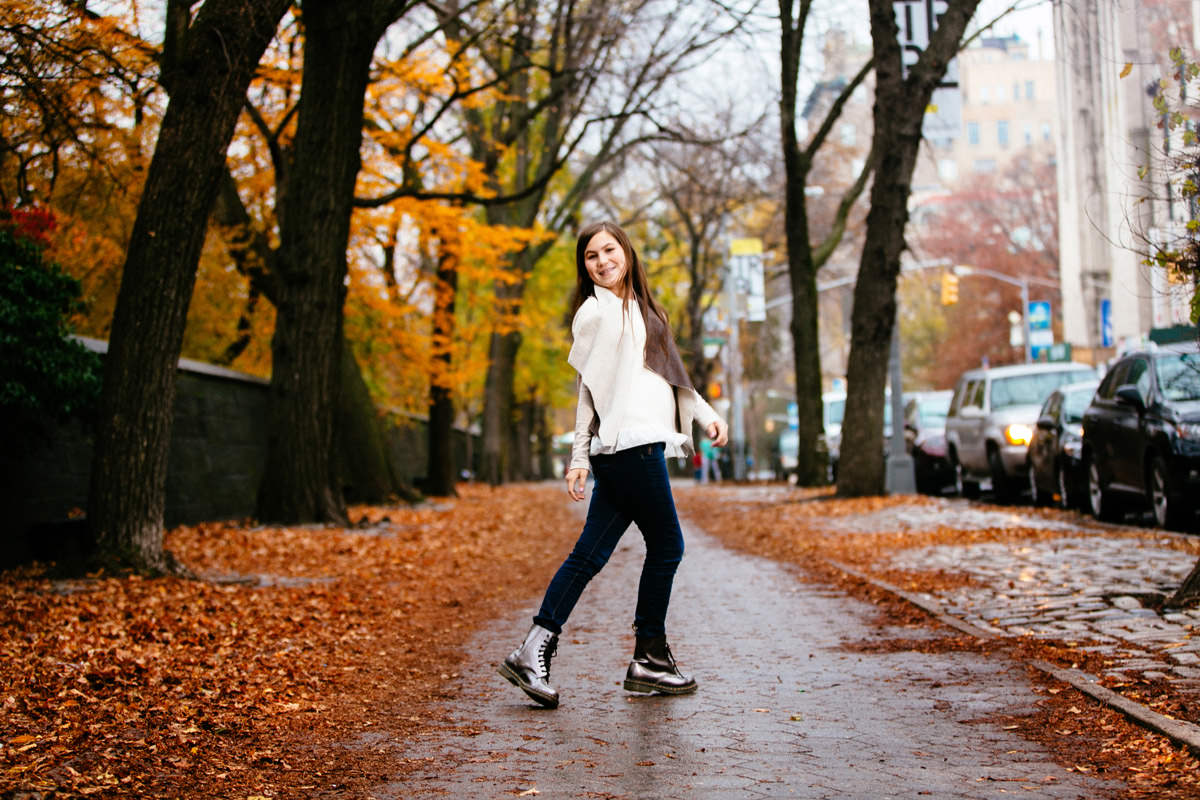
<point>629,486</point>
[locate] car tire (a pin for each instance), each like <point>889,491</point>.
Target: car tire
<point>920,480</point>
<point>1035,496</point>
<point>1103,505</point>
<point>963,487</point>
<point>1001,485</point>
<point>1169,509</point>
<point>1066,497</point>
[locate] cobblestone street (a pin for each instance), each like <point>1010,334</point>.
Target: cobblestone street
<point>1093,584</point>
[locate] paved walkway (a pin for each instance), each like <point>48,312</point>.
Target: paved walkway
<point>785,709</point>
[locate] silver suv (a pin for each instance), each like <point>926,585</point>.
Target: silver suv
<point>991,420</point>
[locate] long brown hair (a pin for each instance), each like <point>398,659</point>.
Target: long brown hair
<point>633,283</point>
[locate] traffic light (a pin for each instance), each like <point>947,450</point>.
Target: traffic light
<point>949,288</point>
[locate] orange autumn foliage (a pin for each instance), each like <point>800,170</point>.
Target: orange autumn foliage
<point>107,66</point>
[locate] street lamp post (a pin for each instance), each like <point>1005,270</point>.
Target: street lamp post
<point>737,427</point>
<point>1021,282</point>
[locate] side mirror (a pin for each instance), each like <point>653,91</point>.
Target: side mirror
<point>1047,423</point>
<point>1129,395</point>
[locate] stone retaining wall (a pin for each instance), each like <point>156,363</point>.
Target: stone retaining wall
<point>218,448</point>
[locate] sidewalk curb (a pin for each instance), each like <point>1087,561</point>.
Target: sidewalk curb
<point>1179,731</point>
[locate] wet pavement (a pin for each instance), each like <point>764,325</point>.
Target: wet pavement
<point>789,705</point>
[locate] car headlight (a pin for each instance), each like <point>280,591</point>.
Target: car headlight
<point>1019,433</point>
<point>1188,430</point>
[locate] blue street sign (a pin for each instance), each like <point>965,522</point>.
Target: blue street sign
<point>1039,315</point>
<point>1106,332</point>
<point>1040,334</point>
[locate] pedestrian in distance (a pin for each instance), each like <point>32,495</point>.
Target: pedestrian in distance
<point>714,464</point>
<point>706,459</point>
<point>636,407</point>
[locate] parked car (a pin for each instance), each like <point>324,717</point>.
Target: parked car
<point>925,439</point>
<point>991,420</point>
<point>833,408</point>
<point>1056,450</point>
<point>1141,437</point>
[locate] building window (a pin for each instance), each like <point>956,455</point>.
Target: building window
<point>1028,133</point>
<point>1029,90</point>
<point>1045,131</point>
<point>849,133</point>
<point>1016,91</point>
<point>1000,93</point>
<point>1002,133</point>
<point>973,133</point>
<point>984,94</point>
<point>984,165</point>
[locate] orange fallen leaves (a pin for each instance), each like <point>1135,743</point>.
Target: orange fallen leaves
<point>254,679</point>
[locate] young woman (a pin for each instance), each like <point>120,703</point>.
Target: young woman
<point>636,407</point>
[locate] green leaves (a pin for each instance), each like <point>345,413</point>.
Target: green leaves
<point>42,371</point>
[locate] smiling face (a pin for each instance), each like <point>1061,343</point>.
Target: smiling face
<point>604,259</point>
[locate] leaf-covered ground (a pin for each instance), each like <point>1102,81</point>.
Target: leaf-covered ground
<point>271,677</point>
<point>304,647</point>
<point>794,526</point>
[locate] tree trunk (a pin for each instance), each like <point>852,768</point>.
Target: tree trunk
<point>802,266</point>
<point>699,368</point>
<point>496,466</point>
<point>363,458</point>
<point>1188,590</point>
<point>215,62</point>
<point>522,444</point>
<point>309,282</point>
<point>545,445</point>
<point>899,111</point>
<point>441,474</point>
<point>497,462</point>
<point>806,353</point>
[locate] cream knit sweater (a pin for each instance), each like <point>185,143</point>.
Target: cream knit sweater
<point>636,405</point>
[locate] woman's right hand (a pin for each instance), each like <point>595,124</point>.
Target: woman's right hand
<point>576,480</point>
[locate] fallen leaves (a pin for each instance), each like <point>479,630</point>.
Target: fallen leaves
<point>254,680</point>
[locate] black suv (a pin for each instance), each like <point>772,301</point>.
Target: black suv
<point>1141,437</point>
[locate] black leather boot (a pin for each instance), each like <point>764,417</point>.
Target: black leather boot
<point>653,669</point>
<point>529,666</point>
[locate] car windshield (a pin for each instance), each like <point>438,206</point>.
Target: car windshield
<point>1074,404</point>
<point>1179,376</point>
<point>835,410</point>
<point>933,411</point>
<point>1032,390</point>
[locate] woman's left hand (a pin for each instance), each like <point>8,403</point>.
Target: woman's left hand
<point>719,432</point>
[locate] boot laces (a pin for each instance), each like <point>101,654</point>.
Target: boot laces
<point>670,656</point>
<point>546,652</point>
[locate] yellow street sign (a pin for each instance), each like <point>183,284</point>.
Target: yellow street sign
<point>745,247</point>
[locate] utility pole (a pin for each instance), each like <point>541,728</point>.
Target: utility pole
<point>900,478</point>
<point>745,275</point>
<point>737,423</point>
